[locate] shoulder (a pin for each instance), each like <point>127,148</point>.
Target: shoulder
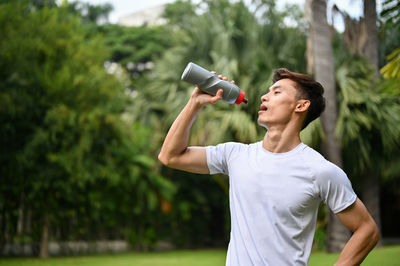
<point>321,168</point>
<point>231,146</point>
<point>312,155</point>
<point>229,149</point>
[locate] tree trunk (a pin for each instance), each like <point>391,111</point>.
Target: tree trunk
<point>20,222</point>
<point>7,233</point>
<point>371,45</point>
<point>324,71</point>
<point>28,223</point>
<point>370,188</point>
<point>44,242</point>
<point>361,37</point>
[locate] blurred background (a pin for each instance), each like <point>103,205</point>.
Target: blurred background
<point>88,91</point>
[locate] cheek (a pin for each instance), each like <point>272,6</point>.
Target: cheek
<point>286,106</point>
<point>282,114</point>
<point>284,110</point>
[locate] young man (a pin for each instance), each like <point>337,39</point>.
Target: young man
<point>277,184</point>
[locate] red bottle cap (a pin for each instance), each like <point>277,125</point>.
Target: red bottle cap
<point>241,98</point>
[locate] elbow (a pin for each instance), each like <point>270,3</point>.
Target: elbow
<point>163,159</point>
<point>375,235</point>
<point>166,160</point>
<point>372,233</point>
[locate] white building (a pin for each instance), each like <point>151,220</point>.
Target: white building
<point>148,17</point>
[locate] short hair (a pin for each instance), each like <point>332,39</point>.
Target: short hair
<point>308,89</point>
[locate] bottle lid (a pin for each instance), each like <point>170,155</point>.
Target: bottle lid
<point>241,98</point>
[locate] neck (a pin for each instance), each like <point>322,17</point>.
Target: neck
<point>279,139</point>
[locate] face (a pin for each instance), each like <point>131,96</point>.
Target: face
<point>278,105</point>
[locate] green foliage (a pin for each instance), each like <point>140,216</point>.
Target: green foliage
<point>391,13</point>
<point>389,30</point>
<point>369,121</point>
<point>97,14</point>
<point>392,69</point>
<point>66,147</point>
<point>200,214</point>
<point>135,47</point>
<point>33,4</point>
<point>320,230</point>
<point>180,12</point>
<point>391,75</point>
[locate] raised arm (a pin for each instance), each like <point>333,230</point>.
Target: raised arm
<point>175,152</point>
<point>365,234</point>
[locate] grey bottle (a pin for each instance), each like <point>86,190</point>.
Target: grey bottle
<point>210,83</point>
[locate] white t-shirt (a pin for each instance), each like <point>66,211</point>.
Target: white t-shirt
<point>274,199</point>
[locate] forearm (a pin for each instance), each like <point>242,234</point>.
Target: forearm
<point>176,141</point>
<point>360,244</point>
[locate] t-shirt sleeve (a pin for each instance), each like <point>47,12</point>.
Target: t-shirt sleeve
<point>218,158</point>
<point>335,188</point>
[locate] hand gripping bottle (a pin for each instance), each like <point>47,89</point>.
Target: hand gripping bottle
<point>210,83</point>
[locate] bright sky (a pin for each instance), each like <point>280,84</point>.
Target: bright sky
<point>125,7</point>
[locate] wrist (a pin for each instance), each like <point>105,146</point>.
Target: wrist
<point>195,104</point>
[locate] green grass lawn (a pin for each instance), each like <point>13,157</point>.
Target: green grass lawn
<point>387,256</point>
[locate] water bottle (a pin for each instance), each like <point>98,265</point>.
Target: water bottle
<point>210,83</point>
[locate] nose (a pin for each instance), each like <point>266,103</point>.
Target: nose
<point>265,97</point>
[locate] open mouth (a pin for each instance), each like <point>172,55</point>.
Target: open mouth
<point>263,108</point>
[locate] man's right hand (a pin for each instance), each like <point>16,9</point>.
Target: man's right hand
<point>201,98</point>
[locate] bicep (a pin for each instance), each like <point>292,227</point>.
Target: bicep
<point>193,159</point>
<point>355,216</point>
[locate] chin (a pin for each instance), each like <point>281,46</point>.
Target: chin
<point>261,123</point>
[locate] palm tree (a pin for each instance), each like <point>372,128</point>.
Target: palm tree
<point>322,63</point>
<point>371,44</point>
<point>368,126</point>
<point>371,185</point>
<point>361,37</point>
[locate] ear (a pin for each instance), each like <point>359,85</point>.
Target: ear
<point>302,105</point>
